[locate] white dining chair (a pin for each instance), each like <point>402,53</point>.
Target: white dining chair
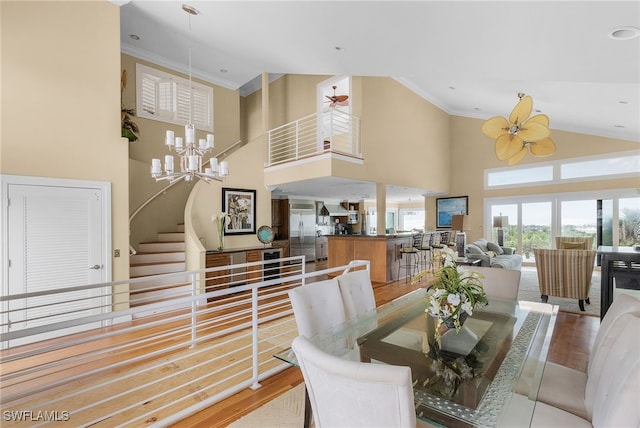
<point>317,306</point>
<point>358,297</point>
<point>498,282</point>
<point>564,387</point>
<point>350,394</point>
<point>611,394</point>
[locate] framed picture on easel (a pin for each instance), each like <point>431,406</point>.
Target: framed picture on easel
<point>446,208</point>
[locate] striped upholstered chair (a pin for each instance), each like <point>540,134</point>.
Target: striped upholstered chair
<point>565,273</point>
<point>574,242</point>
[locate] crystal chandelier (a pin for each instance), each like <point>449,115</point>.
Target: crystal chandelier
<point>189,152</point>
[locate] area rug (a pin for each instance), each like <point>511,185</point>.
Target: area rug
<point>286,410</point>
<point>530,291</point>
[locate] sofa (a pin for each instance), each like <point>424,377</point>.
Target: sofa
<point>491,254</point>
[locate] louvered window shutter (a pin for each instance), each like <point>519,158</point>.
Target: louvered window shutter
<point>165,97</point>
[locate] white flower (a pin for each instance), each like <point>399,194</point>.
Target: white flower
<point>466,306</point>
<point>453,299</point>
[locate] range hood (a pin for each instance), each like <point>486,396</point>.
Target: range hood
<point>334,210</point>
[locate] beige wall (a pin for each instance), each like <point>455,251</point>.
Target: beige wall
<point>60,100</point>
<point>167,211</point>
<point>472,153</point>
<point>404,137</point>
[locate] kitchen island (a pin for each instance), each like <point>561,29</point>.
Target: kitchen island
<point>380,250</point>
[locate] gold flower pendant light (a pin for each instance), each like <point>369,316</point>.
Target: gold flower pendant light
<point>513,136</point>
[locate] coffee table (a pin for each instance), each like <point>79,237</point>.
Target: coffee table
<point>503,345</point>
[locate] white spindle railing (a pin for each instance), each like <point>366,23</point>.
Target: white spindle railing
<point>331,131</point>
<point>196,348</point>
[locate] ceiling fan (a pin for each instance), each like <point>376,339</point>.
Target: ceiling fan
<point>514,135</point>
<point>337,100</point>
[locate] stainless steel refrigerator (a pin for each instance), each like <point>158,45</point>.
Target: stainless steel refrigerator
<point>302,232</point>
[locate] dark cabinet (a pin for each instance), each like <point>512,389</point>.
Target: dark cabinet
<point>277,216</point>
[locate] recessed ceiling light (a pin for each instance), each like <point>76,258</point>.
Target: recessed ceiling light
<point>623,102</point>
<point>223,70</point>
<point>134,36</point>
<point>339,48</point>
<point>618,126</point>
<point>624,33</point>
<point>453,88</point>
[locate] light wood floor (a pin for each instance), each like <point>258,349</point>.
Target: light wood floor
<point>573,337</point>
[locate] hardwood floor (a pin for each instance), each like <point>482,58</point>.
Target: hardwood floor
<point>573,337</point>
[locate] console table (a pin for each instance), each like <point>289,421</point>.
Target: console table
<point>617,262</point>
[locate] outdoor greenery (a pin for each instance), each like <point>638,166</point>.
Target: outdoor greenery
<point>539,236</point>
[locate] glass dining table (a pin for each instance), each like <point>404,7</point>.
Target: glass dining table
<point>487,374</point>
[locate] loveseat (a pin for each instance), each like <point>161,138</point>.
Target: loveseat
<point>491,254</point>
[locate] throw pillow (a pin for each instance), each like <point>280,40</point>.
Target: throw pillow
<point>492,246</point>
<point>491,253</point>
<point>482,244</point>
<point>472,249</point>
<point>568,245</point>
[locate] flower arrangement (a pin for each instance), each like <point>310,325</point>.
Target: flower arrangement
<point>221,221</point>
<point>454,292</point>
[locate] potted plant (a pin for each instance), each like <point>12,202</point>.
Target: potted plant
<point>453,293</point>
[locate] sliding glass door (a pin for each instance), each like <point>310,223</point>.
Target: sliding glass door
<point>611,217</point>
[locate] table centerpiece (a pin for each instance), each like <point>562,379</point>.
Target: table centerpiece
<point>453,293</point>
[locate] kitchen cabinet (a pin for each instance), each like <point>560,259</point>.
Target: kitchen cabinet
<point>277,217</point>
<point>254,274</point>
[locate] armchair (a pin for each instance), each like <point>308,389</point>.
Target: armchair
<point>574,242</point>
<point>565,273</point>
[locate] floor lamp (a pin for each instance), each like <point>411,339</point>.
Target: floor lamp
<point>500,222</point>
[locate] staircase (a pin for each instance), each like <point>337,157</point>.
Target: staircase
<point>165,255</point>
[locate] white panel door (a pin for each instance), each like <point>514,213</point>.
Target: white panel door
<point>55,241</point>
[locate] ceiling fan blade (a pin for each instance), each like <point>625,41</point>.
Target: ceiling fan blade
<point>521,111</point>
<point>507,146</point>
<point>533,131</point>
<point>343,103</point>
<point>540,118</point>
<point>543,147</point>
<point>495,127</point>
<point>517,157</point>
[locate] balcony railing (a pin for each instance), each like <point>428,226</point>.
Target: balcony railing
<point>199,348</point>
<point>333,131</point>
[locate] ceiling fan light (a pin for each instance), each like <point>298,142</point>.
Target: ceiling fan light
<point>544,147</point>
<point>507,146</point>
<point>495,127</point>
<point>534,131</point>
<point>517,157</point>
<point>521,111</point>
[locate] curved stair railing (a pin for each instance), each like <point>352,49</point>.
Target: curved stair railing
<point>226,151</point>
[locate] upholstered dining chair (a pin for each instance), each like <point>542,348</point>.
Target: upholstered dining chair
<point>317,306</point>
<point>346,393</point>
<point>497,282</point>
<point>564,387</point>
<point>565,273</point>
<point>612,390</point>
<point>358,297</point>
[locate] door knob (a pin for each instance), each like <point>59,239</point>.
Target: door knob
<point>96,267</point>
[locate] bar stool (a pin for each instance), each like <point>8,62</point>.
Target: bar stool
<point>407,259</point>
<point>418,244</point>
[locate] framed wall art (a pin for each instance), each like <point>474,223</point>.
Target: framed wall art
<point>447,207</point>
<point>240,205</point>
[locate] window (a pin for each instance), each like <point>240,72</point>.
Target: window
<point>166,97</point>
<point>604,167</point>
